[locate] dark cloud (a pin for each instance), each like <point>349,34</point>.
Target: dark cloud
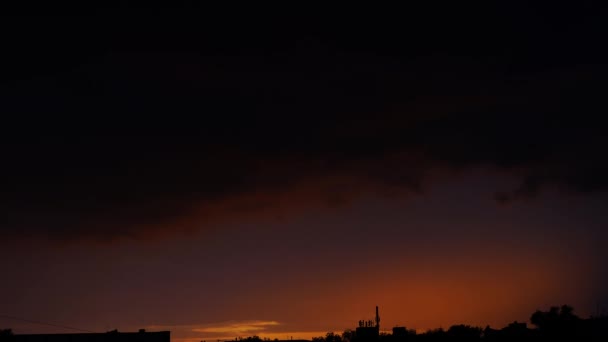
<point>122,128</point>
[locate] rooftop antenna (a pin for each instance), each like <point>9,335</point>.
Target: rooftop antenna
<point>377,318</point>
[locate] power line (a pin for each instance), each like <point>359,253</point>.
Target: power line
<point>45,323</point>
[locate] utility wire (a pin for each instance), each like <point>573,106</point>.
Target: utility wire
<point>44,323</point>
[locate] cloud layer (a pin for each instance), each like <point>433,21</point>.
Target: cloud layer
<point>144,130</point>
<point>231,330</point>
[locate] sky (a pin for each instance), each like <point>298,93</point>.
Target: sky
<point>223,174</point>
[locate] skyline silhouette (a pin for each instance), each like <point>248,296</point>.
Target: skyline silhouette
<point>556,323</point>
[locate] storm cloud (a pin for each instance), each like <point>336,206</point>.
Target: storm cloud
<point>132,129</point>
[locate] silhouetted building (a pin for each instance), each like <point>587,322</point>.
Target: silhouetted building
<point>399,332</point>
<point>111,336</point>
<point>368,330</point>
<point>367,333</point>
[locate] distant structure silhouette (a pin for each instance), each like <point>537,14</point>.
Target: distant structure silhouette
<point>368,330</point>
<point>110,336</point>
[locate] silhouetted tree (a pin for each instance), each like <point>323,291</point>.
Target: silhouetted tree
<point>545,319</point>
<point>253,338</point>
<point>348,335</point>
<point>463,332</point>
<point>331,337</point>
<point>432,335</point>
<point>557,322</point>
<point>318,339</point>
